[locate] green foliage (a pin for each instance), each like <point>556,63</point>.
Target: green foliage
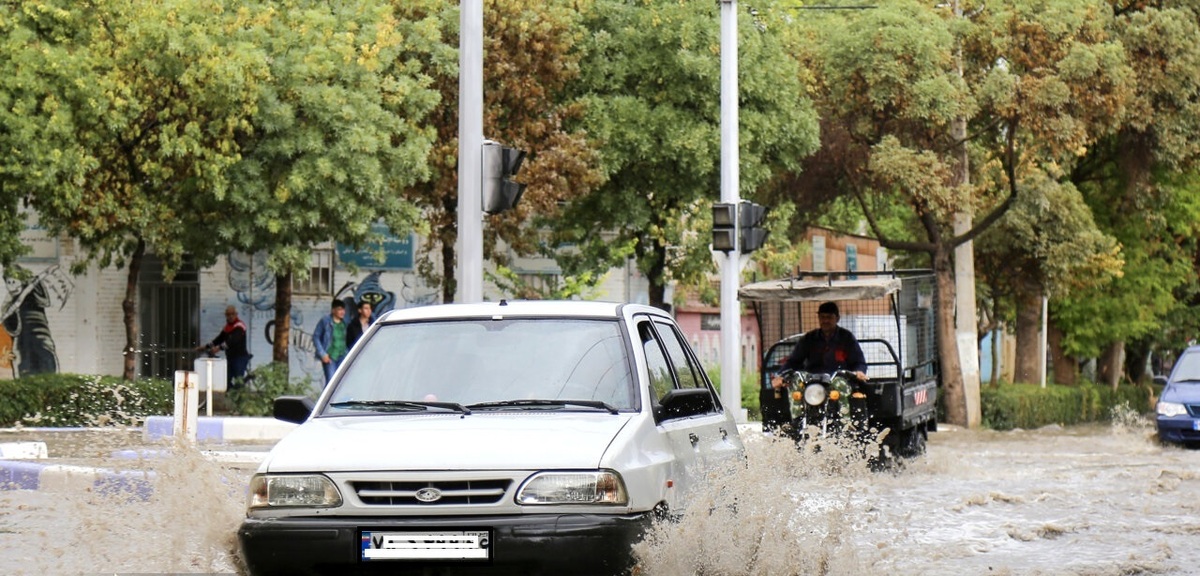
<point>336,133</point>
<point>749,386</point>
<point>1029,406</point>
<point>650,79</point>
<point>510,282</point>
<point>263,385</point>
<point>72,400</point>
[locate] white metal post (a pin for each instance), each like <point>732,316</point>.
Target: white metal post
<point>469,272</point>
<point>731,317</point>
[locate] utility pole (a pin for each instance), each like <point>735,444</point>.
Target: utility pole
<point>731,317</point>
<point>965,325</point>
<point>469,243</point>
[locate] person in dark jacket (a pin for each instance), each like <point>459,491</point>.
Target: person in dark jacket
<point>825,350</point>
<point>358,326</point>
<point>232,340</point>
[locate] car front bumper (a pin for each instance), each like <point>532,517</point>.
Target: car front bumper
<point>528,544</point>
<point>1179,429</point>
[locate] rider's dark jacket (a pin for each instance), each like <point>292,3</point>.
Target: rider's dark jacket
<point>816,353</point>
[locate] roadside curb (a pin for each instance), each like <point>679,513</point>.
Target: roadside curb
<point>24,475</point>
<point>221,428</point>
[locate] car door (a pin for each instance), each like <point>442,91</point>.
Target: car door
<point>694,435</point>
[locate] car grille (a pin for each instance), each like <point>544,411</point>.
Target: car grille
<point>462,492</point>
<point>1193,409</point>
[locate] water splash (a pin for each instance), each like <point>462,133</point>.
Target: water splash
<point>785,511</point>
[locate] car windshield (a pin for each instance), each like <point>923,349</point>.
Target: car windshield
<point>1187,368</point>
<point>425,367</point>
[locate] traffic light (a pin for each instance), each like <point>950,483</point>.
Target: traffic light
<point>500,166</point>
<point>738,226</point>
<point>724,227</point>
<point>751,234</point>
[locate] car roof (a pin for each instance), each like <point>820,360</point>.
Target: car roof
<point>521,308</point>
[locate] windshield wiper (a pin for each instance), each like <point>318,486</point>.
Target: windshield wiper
<point>598,404</point>
<point>401,405</point>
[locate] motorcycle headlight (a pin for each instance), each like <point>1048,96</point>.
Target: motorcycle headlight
<point>293,490</point>
<point>815,394</point>
<point>598,487</point>
<point>1170,409</point>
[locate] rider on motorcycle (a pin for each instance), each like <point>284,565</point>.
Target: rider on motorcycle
<point>825,350</point>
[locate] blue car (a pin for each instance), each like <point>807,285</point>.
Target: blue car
<point>1178,408</point>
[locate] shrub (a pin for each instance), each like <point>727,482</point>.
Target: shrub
<point>262,385</point>
<point>1011,406</point>
<point>72,400</point>
<point>749,387</point>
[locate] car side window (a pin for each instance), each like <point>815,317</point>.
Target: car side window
<point>657,363</point>
<point>687,371</point>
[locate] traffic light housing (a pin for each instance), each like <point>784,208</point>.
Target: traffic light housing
<point>724,228</point>
<point>751,234</point>
<point>500,167</point>
<point>738,226</point>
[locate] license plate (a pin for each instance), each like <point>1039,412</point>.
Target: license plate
<point>426,545</point>
<point>1195,424</point>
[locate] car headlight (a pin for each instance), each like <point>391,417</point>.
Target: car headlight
<point>293,490</point>
<point>1170,409</point>
<point>815,394</point>
<point>598,487</point>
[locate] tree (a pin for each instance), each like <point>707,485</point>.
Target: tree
<point>529,60</point>
<point>336,134</point>
<point>1135,182</point>
<point>1034,82</point>
<point>126,115</point>
<point>650,84</point>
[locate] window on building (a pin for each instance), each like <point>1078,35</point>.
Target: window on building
<point>320,276</point>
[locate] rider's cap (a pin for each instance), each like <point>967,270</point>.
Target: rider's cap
<point>828,308</point>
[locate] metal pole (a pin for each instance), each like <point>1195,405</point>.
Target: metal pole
<point>1042,352</point>
<point>469,272</point>
<point>731,317</point>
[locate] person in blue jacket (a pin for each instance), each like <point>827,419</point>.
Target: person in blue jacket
<point>329,339</point>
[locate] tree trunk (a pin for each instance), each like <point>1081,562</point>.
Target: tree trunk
<point>1108,366</point>
<point>283,318</point>
<point>1028,365</point>
<point>1066,369</point>
<point>1137,355</point>
<point>656,276</point>
<point>997,335</point>
<point>449,282</point>
<point>953,391</point>
<point>130,308</point>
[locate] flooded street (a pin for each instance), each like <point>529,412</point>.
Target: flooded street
<point>1092,500</point>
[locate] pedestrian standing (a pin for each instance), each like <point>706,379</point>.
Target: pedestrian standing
<point>358,326</point>
<point>329,339</point>
<point>232,340</point>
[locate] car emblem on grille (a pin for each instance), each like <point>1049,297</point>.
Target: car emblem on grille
<point>429,495</point>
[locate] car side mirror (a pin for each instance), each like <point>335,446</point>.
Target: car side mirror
<point>684,402</point>
<point>295,409</point>
<point>1160,380</point>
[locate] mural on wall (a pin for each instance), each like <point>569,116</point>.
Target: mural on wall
<point>27,344</point>
<point>253,286</point>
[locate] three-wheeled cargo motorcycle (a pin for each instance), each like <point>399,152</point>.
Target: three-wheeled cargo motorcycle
<point>891,315</point>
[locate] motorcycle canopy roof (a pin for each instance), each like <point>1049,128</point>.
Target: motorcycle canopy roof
<point>805,290</point>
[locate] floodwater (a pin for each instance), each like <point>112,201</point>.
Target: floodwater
<point>1091,500</point>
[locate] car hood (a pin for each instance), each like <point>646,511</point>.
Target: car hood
<point>480,441</point>
<point>1182,393</point>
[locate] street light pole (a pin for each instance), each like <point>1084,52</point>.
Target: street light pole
<point>469,272</point>
<point>731,317</point>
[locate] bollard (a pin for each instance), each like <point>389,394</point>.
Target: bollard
<point>213,375</point>
<point>187,397</point>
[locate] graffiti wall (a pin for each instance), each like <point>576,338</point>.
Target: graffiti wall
<point>250,286</point>
<point>27,341</point>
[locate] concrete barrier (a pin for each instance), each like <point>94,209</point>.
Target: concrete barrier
<point>221,429</point>
<point>22,475</point>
